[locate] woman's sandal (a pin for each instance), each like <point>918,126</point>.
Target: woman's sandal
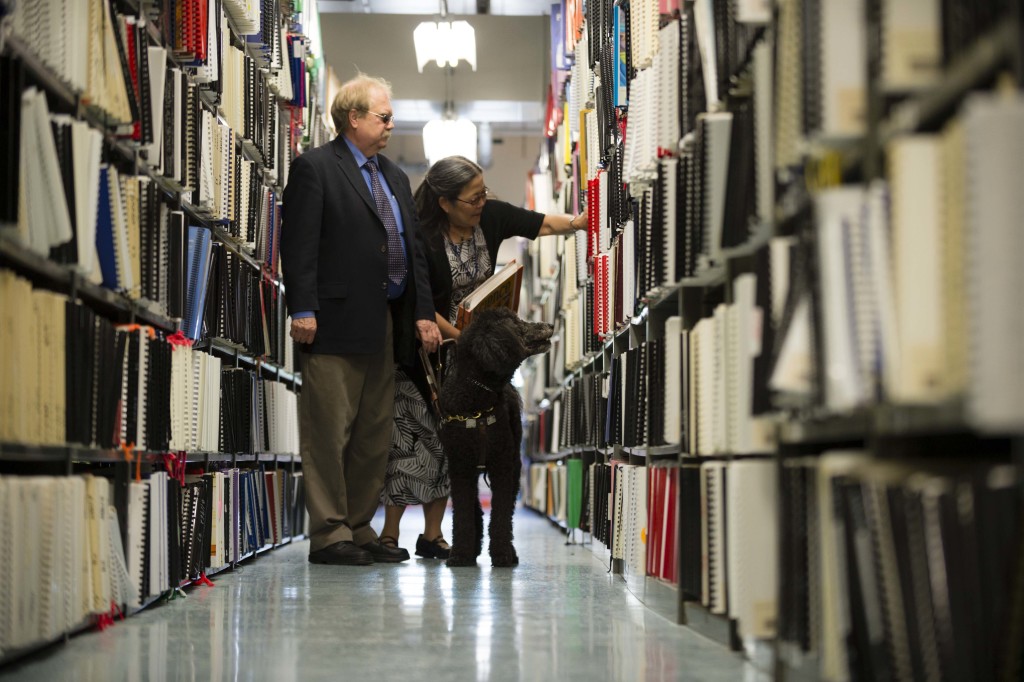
<point>388,541</point>
<point>432,549</point>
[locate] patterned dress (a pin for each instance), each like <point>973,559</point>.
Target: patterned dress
<point>417,469</point>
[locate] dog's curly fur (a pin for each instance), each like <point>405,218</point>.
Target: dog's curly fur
<point>479,381</point>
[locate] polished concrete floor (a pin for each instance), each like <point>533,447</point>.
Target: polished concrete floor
<point>558,616</point>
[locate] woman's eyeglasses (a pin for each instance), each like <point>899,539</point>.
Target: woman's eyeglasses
<point>386,118</point>
<point>477,200</point>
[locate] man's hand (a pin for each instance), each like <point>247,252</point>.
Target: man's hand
<point>428,334</point>
<point>303,329</point>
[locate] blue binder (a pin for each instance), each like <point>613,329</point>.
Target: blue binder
<point>199,264</point>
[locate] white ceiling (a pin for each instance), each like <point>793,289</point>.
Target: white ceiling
<point>518,8</point>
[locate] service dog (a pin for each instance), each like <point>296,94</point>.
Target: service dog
<point>481,429</point>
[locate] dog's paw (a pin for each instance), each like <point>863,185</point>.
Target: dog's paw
<point>504,558</point>
<point>456,559</point>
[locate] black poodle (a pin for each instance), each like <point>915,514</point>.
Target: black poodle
<point>481,429</point>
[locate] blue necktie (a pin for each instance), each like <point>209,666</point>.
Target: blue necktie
<point>396,253</point>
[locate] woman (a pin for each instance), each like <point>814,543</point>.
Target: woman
<point>462,228</point>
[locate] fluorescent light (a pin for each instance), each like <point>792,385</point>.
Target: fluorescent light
<point>444,43</point>
<point>447,137</point>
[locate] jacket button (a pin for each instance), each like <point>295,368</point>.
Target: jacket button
<point>384,286</point>
<point>383,248</point>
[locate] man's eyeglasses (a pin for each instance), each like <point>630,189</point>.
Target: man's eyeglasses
<point>386,118</point>
<point>477,200</point>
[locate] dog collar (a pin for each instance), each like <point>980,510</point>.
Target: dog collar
<point>472,421</point>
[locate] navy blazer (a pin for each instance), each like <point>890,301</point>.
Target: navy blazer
<point>334,255</point>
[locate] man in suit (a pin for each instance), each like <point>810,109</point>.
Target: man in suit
<point>359,294</point>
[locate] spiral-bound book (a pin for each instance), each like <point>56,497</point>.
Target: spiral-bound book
<point>752,544</point>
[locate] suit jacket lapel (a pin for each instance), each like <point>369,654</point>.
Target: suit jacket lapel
<point>347,164</point>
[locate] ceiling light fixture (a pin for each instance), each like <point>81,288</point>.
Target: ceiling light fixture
<point>444,42</point>
<point>448,137</point>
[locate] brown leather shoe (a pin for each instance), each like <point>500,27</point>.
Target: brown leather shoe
<point>344,553</point>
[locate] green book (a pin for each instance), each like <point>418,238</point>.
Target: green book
<point>575,492</point>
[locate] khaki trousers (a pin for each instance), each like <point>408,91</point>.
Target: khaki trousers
<point>346,409</point>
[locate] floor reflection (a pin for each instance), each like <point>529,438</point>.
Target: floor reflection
<point>559,615</point>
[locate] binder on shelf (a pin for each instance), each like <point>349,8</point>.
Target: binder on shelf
<point>198,263</point>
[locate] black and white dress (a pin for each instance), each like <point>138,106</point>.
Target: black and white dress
<point>417,469</point>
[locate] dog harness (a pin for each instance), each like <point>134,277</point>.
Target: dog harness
<point>477,420</point>
<point>472,421</point>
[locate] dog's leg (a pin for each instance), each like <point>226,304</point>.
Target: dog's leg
<point>479,518</point>
<point>504,467</point>
<point>465,501</point>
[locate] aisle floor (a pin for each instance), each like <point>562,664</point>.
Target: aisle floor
<point>558,616</point>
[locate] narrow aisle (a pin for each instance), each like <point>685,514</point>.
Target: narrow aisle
<point>558,616</point>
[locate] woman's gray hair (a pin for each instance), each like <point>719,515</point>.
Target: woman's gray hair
<point>354,95</point>
<point>446,178</point>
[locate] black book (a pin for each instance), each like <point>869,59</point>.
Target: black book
<point>657,227</point>
<point>629,416</point>
<point>794,604</point>
<point>912,652</point>
<point>694,95</point>
<point>177,274</point>
<point>121,29</point>
<point>170,133</point>
<point>813,75</point>
<point>147,541</point>
<point>611,405</point>
<point>762,402</point>
<point>683,222</point>
<point>642,236</point>
<point>174,535</point>
<point>204,520</point>
<point>131,397</point>
<point>109,350</point>
<point>690,551</point>
<point>158,415</point>
<point>149,261</point>
<point>67,252</point>
<point>655,392</point>
<point>11,87</point>
<point>213,310</point>
<point>74,385</point>
<point>723,27</point>
<point>194,135</point>
<point>692,224</point>
<point>868,652</point>
<point>145,116</point>
<point>740,194</point>
<point>585,511</point>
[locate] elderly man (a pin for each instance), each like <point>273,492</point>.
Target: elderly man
<point>358,291</point>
